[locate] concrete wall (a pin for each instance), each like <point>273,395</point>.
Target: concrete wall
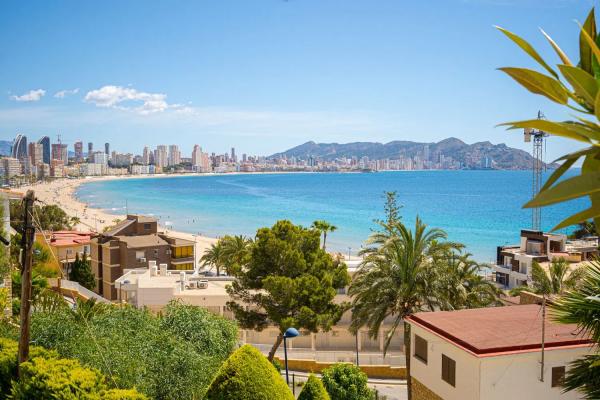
<point>430,374</point>
<point>517,376</point>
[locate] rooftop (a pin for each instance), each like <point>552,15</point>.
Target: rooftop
<point>68,238</point>
<point>142,240</point>
<point>494,331</point>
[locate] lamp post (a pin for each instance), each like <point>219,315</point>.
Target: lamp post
<point>289,333</point>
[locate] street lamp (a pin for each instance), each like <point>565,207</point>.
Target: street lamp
<point>289,333</point>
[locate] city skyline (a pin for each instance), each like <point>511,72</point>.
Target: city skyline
<point>335,72</point>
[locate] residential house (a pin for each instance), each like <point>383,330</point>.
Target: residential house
<point>65,246</point>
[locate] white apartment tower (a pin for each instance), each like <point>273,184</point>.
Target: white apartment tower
<point>174,155</point>
<point>160,156</point>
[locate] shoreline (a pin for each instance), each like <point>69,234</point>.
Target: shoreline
<point>61,192</point>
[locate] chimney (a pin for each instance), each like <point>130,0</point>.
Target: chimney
<point>163,269</point>
<point>182,280</point>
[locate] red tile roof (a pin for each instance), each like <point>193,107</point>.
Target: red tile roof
<point>500,330</point>
<point>68,238</point>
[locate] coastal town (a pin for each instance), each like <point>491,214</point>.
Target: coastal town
<point>416,240</point>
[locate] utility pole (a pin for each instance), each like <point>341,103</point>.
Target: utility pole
<point>26,260</point>
<point>543,335</point>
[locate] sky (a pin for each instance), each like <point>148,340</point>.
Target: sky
<point>267,75</point>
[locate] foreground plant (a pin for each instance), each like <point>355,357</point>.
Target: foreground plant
<point>575,86</point>
<point>557,280</point>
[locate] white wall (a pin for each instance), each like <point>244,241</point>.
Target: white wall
<point>517,376</point>
<point>467,368</point>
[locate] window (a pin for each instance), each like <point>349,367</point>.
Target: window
<point>558,376</point>
<point>448,370</point>
<point>421,348</point>
<point>140,254</point>
<point>146,227</point>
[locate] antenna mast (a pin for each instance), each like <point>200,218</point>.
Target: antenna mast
<point>539,138</point>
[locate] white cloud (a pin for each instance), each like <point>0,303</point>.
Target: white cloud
<point>111,96</point>
<point>32,95</point>
<point>67,92</point>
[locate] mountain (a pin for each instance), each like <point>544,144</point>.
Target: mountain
<point>5,146</point>
<point>499,156</point>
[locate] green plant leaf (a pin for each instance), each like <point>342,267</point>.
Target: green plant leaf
<point>595,51</point>
<point>559,172</point>
<point>557,49</point>
<point>569,130</point>
<point>583,83</point>
<point>538,83</point>
<point>584,215</point>
<point>577,186</point>
<point>585,51</point>
<point>523,44</point>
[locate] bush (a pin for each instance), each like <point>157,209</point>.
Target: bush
<point>346,382</point>
<point>122,394</point>
<point>8,362</point>
<point>248,375</point>
<point>163,357</point>
<point>59,379</point>
<point>313,390</point>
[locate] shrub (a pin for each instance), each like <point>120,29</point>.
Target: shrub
<point>123,394</point>
<point>248,375</point>
<point>346,382</point>
<point>313,390</point>
<point>161,358</point>
<point>208,333</point>
<point>59,379</point>
<point>8,362</point>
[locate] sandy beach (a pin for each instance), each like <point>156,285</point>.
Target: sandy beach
<point>62,193</point>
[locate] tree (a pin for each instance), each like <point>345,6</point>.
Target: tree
<point>287,281</point>
<point>557,280</point>
<point>48,217</point>
<point>81,272</point>
<point>324,227</point>
<point>248,375</point>
<point>461,284</point>
<point>397,278</point>
<point>313,389</point>
<point>213,256</point>
<point>582,307</point>
<point>584,229</point>
<point>580,93</point>
<point>234,252</point>
<point>346,382</point>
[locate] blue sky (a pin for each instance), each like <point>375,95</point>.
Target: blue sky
<point>265,75</point>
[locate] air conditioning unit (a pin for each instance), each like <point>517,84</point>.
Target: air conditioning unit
<point>142,260</point>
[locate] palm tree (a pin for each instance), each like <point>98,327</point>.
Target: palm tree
<point>396,279</point>
<point>557,280</point>
<point>235,250</point>
<point>324,227</point>
<point>462,285</point>
<point>213,256</point>
<point>582,307</point>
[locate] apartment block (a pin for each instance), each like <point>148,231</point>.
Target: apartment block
<point>132,244</point>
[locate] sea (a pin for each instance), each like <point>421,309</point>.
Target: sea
<point>481,209</point>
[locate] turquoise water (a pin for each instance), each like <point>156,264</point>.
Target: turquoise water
<point>481,209</point>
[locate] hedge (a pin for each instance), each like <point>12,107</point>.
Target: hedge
<point>345,381</point>
<point>248,375</point>
<point>313,390</point>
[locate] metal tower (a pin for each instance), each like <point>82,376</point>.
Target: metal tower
<point>538,167</point>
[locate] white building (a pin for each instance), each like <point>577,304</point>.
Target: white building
<point>174,155</point>
<point>160,156</point>
<point>492,354</point>
<point>12,167</point>
<point>99,157</point>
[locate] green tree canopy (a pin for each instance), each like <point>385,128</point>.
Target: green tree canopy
<point>346,382</point>
<point>558,279</point>
<point>248,375</point>
<point>313,389</point>
<point>81,272</point>
<point>324,227</point>
<point>288,281</point>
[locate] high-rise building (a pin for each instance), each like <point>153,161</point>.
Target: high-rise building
<point>196,156</point>
<point>19,147</point>
<point>78,151</point>
<point>233,157</point>
<point>36,153</point>
<point>107,148</point>
<point>160,156</point>
<point>60,152</point>
<point>90,149</point>
<point>146,156</point>
<point>12,167</point>
<point>174,155</point>
<point>45,142</point>
<point>99,157</point>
